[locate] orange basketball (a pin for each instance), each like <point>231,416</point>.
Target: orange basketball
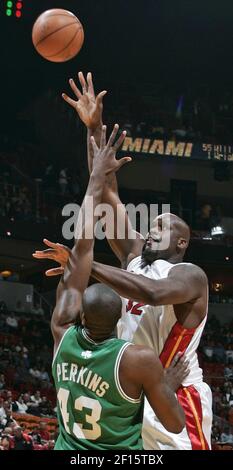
<point>57,35</point>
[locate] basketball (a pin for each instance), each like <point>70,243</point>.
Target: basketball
<point>57,35</point>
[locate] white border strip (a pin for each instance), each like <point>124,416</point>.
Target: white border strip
<point>117,380</point>
<point>61,340</point>
<point>87,338</point>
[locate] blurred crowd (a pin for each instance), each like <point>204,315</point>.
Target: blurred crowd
<point>200,115</point>
<point>26,389</point>
<point>42,199</point>
<point>216,355</point>
<point>35,179</point>
<point>25,198</point>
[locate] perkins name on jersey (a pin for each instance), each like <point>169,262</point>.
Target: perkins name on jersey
<point>72,373</point>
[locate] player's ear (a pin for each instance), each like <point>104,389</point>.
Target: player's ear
<point>182,243</point>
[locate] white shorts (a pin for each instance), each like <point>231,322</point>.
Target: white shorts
<point>196,401</point>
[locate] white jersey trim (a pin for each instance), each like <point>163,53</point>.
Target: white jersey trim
<point>117,380</point>
<point>90,340</point>
<point>87,337</point>
<point>59,346</point>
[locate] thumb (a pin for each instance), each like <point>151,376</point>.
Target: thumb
<point>54,272</point>
<point>123,161</point>
<point>99,98</point>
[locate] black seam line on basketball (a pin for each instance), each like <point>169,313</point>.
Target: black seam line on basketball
<point>67,45</point>
<point>58,29</point>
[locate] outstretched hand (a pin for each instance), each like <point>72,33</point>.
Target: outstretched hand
<point>57,252</point>
<point>88,106</point>
<point>105,154</point>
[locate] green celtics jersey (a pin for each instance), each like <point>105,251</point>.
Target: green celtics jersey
<point>93,410</point>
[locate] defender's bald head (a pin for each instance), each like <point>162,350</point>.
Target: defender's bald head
<point>101,309</point>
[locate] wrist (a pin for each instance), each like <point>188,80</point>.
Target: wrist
<point>170,381</point>
<point>97,173</point>
<point>95,127</point>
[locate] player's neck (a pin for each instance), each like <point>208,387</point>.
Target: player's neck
<point>98,338</point>
<point>176,258</point>
<point>173,259</point>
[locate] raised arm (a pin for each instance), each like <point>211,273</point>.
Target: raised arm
<point>78,267</point>
<point>90,108</point>
<point>77,271</point>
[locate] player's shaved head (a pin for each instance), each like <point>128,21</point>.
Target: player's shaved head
<point>101,310</point>
<point>167,239</point>
<point>181,226</point>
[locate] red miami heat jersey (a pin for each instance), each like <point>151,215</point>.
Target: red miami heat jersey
<point>157,327</point>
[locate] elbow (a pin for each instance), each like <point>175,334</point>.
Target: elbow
<point>177,428</point>
<point>177,425</point>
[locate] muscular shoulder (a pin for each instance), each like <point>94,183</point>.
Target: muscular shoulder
<point>190,272</point>
<point>141,352</point>
<point>133,262</point>
<point>138,359</point>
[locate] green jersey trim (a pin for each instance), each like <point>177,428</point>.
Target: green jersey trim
<point>117,380</point>
<point>59,345</point>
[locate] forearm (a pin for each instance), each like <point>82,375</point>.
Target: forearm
<point>67,309</point>
<point>96,133</point>
<point>121,236</point>
<point>122,240</point>
<point>110,196</point>
<point>177,288</point>
<point>111,181</point>
<point>78,269</point>
<point>84,233</point>
<point>129,285</point>
<point>169,411</point>
<point>65,312</point>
